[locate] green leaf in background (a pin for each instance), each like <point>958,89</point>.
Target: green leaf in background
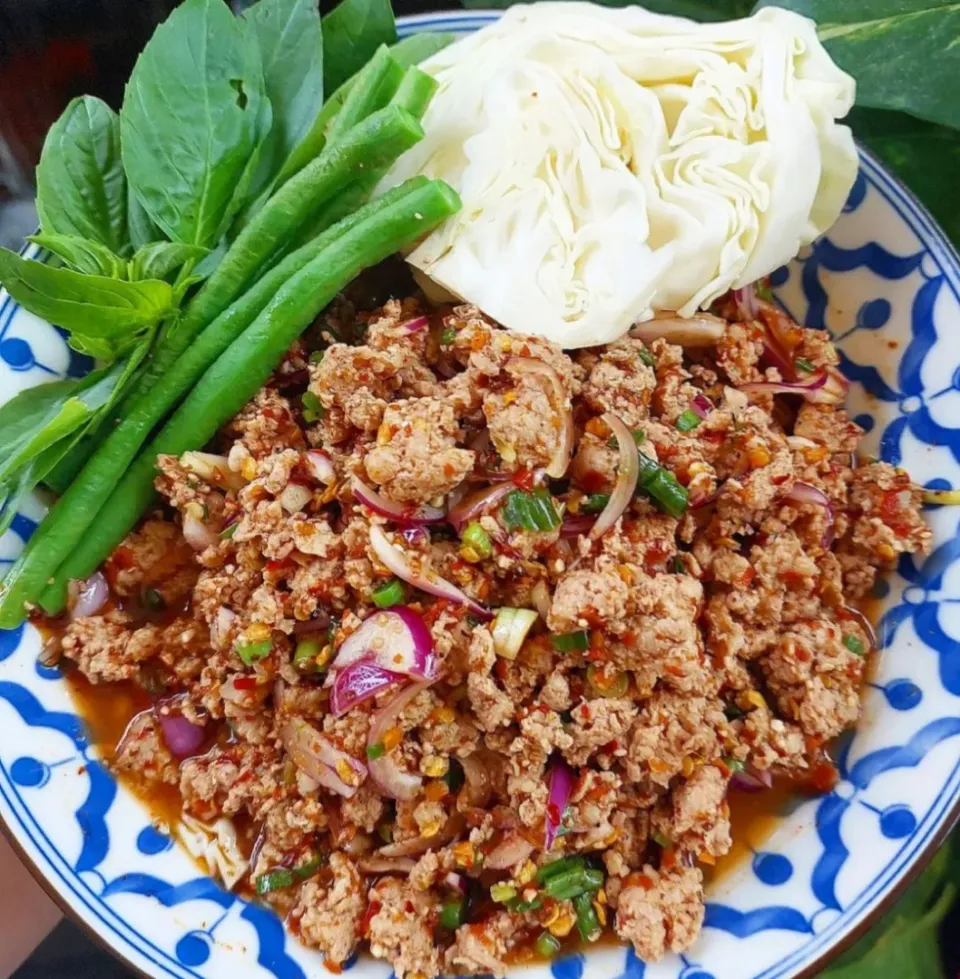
<point>141,230</point>
<point>159,260</point>
<point>904,54</point>
<point>352,31</point>
<point>926,157</point>
<point>81,187</point>
<point>83,254</point>
<point>193,114</point>
<point>290,41</point>
<point>91,307</point>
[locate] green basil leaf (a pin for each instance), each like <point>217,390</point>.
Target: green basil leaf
<point>193,115</point>
<point>142,231</point>
<point>83,254</point>
<point>925,156</point>
<point>289,38</point>
<point>418,47</point>
<point>352,31</point>
<point>159,260</point>
<point>899,51</point>
<point>81,187</point>
<point>91,307</point>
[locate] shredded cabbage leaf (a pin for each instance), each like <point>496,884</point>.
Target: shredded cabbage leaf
<point>615,162</point>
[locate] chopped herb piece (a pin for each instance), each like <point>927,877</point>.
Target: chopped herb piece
<point>312,409</point>
<point>309,868</point>
<point>317,356</point>
<point>688,421</point>
<point>762,288</point>
<point>594,503</point>
<point>571,642</point>
<point>252,652</point>
<point>276,880</point>
<point>607,684</point>
<point>802,364</point>
<point>476,543</point>
<point>454,776</point>
<point>530,511</point>
<point>570,883</point>
<point>521,907</point>
<point>677,565</point>
<point>448,336</point>
<point>732,713</point>
<point>501,893</point>
<point>647,357</point>
<point>153,600</point>
<point>547,945</point>
<point>662,486</point>
<point>384,830</point>
<point>229,531</point>
<point>305,655</point>
<point>451,914</point>
<point>661,839</point>
<point>854,644</point>
<point>639,436</point>
<point>389,594</point>
<point>734,764</point>
<point>375,751</point>
<point>557,867</point>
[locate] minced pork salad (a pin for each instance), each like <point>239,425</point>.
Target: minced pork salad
<point>458,642</point>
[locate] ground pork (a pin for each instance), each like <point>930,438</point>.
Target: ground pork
<point>143,751</point>
<point>663,913</point>
<point>330,916</point>
<point>400,928</point>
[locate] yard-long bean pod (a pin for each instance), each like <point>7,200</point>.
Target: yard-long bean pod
<point>239,372</point>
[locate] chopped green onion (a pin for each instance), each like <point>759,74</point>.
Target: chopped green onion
<point>317,356</point>
<point>854,644</point>
<point>734,764</point>
<point>510,629</point>
<point>557,867</point>
<point>389,594</point>
<point>594,503</point>
<point>547,945</point>
<point>616,685</point>
<point>639,436</point>
<point>571,642</point>
<point>309,868</point>
<point>530,511</point>
<point>501,893</point>
<point>732,712</point>
<point>588,924</point>
<point>476,543</point>
<point>305,655</point>
<point>229,531</point>
<point>688,421</point>
<point>312,409</point>
<point>563,887</point>
<point>451,914</point>
<point>375,751</point>
<point>647,357</point>
<point>153,600</point>
<point>661,839</point>
<point>251,652</point>
<point>276,880</point>
<point>762,288</point>
<point>677,565</point>
<point>802,364</point>
<point>662,486</point>
<point>384,830</point>
<point>521,907</point>
<point>448,336</point>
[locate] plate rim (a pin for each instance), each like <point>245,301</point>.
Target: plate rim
<point>921,222</point>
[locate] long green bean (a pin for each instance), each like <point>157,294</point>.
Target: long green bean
<point>73,513</point>
<point>240,371</point>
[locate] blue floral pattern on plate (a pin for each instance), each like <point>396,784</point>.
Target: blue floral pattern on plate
<point>886,283</point>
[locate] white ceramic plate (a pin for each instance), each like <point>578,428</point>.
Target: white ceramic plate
<point>886,283</point>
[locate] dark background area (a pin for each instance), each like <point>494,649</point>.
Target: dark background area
<point>51,51</point>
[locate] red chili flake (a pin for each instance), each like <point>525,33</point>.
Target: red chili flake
<point>823,777</point>
<point>245,682</point>
<point>524,479</point>
<point>372,908</point>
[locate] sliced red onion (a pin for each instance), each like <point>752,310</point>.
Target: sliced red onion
<point>751,780</point>
<point>558,464</point>
<point>818,388</point>
<point>395,560</point>
<point>196,533</point>
<point>93,594</point>
<point>477,784</point>
<point>627,475</point>
<point>540,596</point>
<point>513,850</point>
<point>475,503</point>
<point>746,300</point>
<point>415,325</point>
<point>321,467</point>
<point>805,493</point>
<point>416,535</point>
<point>562,777</point>
<point>456,882</point>
<point>359,682</point>
<point>384,771</point>
<point>701,330</point>
<point>183,737</point>
<point>316,757</point>
<point>577,526</point>
<point>319,623</point>
<point>375,864</point>
<point>702,405</point>
<point>394,639</point>
<point>395,511</point>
